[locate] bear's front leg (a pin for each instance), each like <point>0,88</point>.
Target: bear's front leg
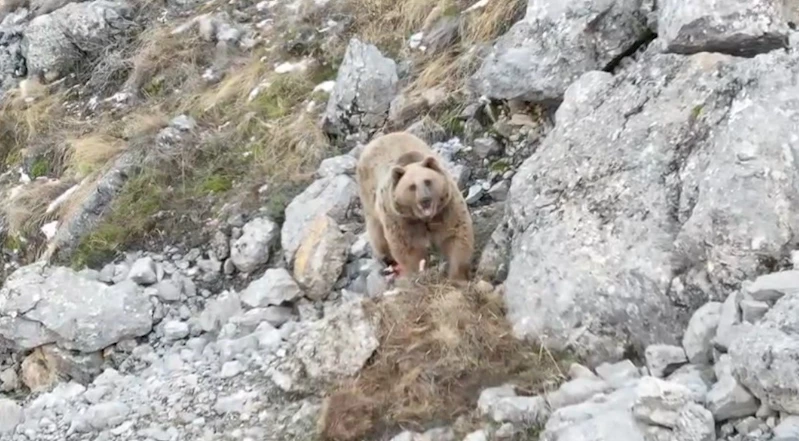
<point>407,250</point>
<point>458,252</point>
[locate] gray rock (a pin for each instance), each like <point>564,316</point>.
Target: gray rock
<point>218,311</point>
<point>618,374</point>
<point>555,43</point>
<point>56,42</point>
<point>365,85</point>
<point>697,379</point>
<point>330,196</point>
<point>499,191</point>
<point>729,318</point>
<point>143,271</point>
<point>736,27</point>
<point>9,380</point>
<point>253,248</point>
<point>169,290</point>
<point>275,287</point>
<point>615,425</point>
<point>695,423</point>
<point>274,315</point>
<point>231,369</point>
<point>698,338</point>
<point>576,391</point>
<point>220,245</point>
<point>519,410</point>
<point>619,292</point>
<point>576,370</point>
<point>771,287</point>
<point>175,330</point>
<point>81,368</point>
<point>753,310</point>
<point>662,360</point>
<point>321,257</point>
<point>11,416</point>
<point>728,399</point>
<point>41,304</point>
<point>337,165</point>
<point>763,357</point>
<point>485,147</point>
<point>428,131</point>
<point>659,402</point>
<point>337,345</point>
<point>787,428</point>
<point>105,415</point>
<point>476,192</point>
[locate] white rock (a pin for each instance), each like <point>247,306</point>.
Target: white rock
<point>175,330</point>
<point>659,402</point>
<point>10,416</point>
<point>275,287</point>
<point>695,423</point>
<point>231,369</point>
<point>728,399</point>
<point>787,428</point>
<point>576,391</point>
<point>662,360</point>
<point>753,310</point>
<point>698,337</point>
<point>143,271</point>
<point>618,374</point>
<point>771,287</point>
<point>253,247</point>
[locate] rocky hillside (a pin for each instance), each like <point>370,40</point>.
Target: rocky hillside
<point>183,247</point>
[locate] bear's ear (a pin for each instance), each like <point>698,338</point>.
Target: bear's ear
<point>431,163</point>
<point>396,173</point>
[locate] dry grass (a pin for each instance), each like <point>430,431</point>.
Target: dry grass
<point>90,153</point>
<point>26,212</point>
<point>439,347</point>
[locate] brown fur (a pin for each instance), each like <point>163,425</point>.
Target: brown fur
<point>396,173</point>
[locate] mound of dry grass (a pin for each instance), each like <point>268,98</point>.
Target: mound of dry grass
<point>439,347</point>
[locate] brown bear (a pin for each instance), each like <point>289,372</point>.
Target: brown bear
<point>411,202</point>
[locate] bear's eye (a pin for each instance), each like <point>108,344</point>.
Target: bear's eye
<point>428,182</point>
<point>413,187</point>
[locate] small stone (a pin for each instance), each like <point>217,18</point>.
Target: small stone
<point>659,402</point>
<point>576,391</point>
<point>253,248</point>
<point>361,246</point>
<point>478,435</point>
<point>476,192</point>
<point>747,425</point>
<point>10,416</point>
<point>143,272</point>
<point>231,369</point>
<point>337,165</point>
<point>321,257</point>
<point>499,191</point>
<point>275,287</point>
<point>105,415</point>
<point>694,423</point>
<point>771,287</point>
<point>695,378</point>
<point>617,374</point>
<point>728,399</point>
<point>698,337</point>
<point>168,290</point>
<point>486,147</point>
<point>220,244</point>
<point>376,283</point>
<point>753,310</point>
<point>576,370</point>
<point>107,273</point>
<point>788,428</point>
<point>9,380</point>
<point>662,360</point>
<point>729,318</point>
<point>175,330</point>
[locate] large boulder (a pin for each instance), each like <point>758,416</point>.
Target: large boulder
<point>737,27</point>
<point>54,42</point>
<point>41,304</point>
<point>555,43</point>
<point>763,358</point>
<point>334,197</point>
<point>365,85</point>
<point>651,197</point>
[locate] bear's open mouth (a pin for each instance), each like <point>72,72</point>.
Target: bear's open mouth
<point>427,210</point>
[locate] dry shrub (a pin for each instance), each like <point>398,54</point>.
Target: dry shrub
<point>93,151</point>
<point>439,347</point>
<point>492,20</point>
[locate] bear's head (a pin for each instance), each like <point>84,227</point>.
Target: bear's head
<point>420,188</point>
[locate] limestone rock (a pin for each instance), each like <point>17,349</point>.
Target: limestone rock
<point>771,287</point>
<point>253,248</point>
<point>695,423</point>
<point>142,271</point>
<point>41,304</point>
<point>736,27</point>
<point>763,357</point>
<point>661,360</point>
<point>659,402</point>
<point>333,197</point>
<point>10,416</point>
<point>588,269</point>
<point>275,287</point>
<point>365,86</point>
<point>321,257</point>
<point>698,337</point>
<point>555,43</point>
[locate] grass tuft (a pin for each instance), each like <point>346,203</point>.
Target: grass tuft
<point>439,347</point>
